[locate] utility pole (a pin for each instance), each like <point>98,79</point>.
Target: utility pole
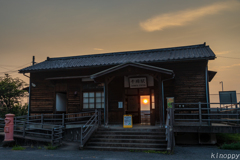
<point>33,60</point>
<point>222,84</point>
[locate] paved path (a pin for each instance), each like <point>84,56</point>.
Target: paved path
<point>69,152</point>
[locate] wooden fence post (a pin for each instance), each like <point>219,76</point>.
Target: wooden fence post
<point>42,120</point>
<point>81,139</point>
<point>24,126</point>
<point>200,113</point>
<point>52,137</point>
<point>15,122</point>
<point>172,113</point>
<point>63,117</point>
<point>99,117</point>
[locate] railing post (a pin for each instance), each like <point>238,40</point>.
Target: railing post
<point>63,117</point>
<point>172,113</point>
<point>42,120</point>
<point>52,137</point>
<point>15,122</point>
<point>237,117</point>
<point>24,126</point>
<point>99,117</point>
<point>81,139</point>
<point>200,113</point>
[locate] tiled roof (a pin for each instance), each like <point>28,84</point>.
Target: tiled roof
<point>193,52</point>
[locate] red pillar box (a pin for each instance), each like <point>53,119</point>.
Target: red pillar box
<point>9,127</point>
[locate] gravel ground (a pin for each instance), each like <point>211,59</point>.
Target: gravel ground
<point>71,152</point>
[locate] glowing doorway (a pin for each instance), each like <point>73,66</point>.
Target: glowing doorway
<point>145,109</point>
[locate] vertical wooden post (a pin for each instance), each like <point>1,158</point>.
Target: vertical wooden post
<point>52,137</point>
<point>15,123</point>
<point>81,139</point>
<point>63,118</point>
<point>24,126</point>
<point>200,113</point>
<point>160,101</point>
<point>238,117</point>
<point>42,120</point>
<point>106,102</point>
<point>173,118</point>
<point>99,117</point>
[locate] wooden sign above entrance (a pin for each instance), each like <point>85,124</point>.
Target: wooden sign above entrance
<point>140,82</point>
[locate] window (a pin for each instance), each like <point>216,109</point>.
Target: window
<point>93,100</point>
<point>61,102</point>
<point>153,99</point>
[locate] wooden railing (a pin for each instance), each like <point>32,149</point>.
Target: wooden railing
<point>199,114</point>
<point>51,126</point>
<point>88,129</point>
<point>41,131</point>
<point>169,130</point>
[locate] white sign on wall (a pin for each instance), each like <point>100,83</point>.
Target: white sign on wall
<point>140,82</point>
<point>120,104</point>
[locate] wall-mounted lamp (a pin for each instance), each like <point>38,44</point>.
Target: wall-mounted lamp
<point>34,85</point>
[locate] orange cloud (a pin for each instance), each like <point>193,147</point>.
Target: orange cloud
<point>98,49</point>
<point>182,18</point>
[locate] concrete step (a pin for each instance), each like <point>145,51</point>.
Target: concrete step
<point>130,136</point>
<point>131,129</point>
<point>123,148</point>
<point>130,132</point>
<point>128,140</point>
<point>134,145</point>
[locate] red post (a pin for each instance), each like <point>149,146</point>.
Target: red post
<point>9,127</point>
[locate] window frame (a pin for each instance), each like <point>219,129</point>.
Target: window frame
<point>94,98</point>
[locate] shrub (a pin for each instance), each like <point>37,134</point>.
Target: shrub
<point>17,109</point>
<point>234,146</point>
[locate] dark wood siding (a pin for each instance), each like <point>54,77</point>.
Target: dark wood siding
<point>116,91</point>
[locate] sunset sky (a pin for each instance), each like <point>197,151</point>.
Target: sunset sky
<point>59,28</point>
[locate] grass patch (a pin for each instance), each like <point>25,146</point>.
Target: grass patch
<point>228,137</point>
<point>233,146</point>
<point>150,151</point>
<point>18,148</point>
<point>229,141</point>
<point>51,147</point>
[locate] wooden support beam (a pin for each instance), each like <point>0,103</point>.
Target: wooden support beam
<point>160,101</point>
<point>106,101</point>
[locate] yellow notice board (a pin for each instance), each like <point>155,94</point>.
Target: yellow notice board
<point>127,121</point>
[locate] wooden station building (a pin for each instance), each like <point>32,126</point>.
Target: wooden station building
<point>132,82</point>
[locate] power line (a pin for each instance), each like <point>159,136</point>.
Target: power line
<point>15,69</point>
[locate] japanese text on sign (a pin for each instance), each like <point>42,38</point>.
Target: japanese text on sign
<point>138,82</point>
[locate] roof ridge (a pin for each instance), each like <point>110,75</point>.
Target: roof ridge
<point>127,52</point>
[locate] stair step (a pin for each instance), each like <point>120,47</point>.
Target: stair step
<point>128,140</point>
<point>124,148</point>
<point>130,132</point>
<point>136,145</point>
<point>129,136</point>
<point>132,129</point>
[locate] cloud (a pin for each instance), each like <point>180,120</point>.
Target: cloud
<point>234,65</point>
<point>222,52</point>
<point>182,18</point>
<point>98,49</point>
